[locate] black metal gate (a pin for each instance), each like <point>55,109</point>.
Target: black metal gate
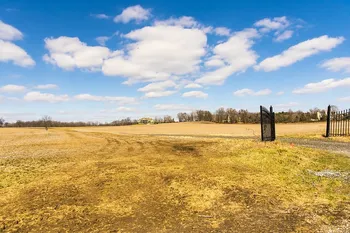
<point>267,119</point>
<point>338,123</point>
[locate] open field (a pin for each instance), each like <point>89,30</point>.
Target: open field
<point>97,180</point>
<point>210,129</point>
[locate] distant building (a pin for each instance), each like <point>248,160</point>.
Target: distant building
<point>319,116</point>
<point>146,121</point>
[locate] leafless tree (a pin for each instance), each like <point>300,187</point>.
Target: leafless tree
<point>2,122</point>
<point>47,120</point>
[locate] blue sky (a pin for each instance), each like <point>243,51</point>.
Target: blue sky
<point>105,60</point>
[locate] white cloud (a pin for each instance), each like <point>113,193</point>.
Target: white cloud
<point>15,54</point>
<point>136,13</point>
<point>250,92</point>
<point>280,93</point>
<point>125,109</point>
<point>222,31</point>
<point>12,88</point>
<point>237,52</point>
<point>277,23</point>
<point>118,99</point>
<point>184,21</point>
<point>214,62</point>
<point>193,85</point>
<point>344,99</point>
<point>157,94</point>
<point>171,107</point>
<point>337,64</point>
<point>158,53</point>
<point>284,35</point>
<point>196,94</point>
<point>69,53</point>
<point>45,97</point>
<point>9,33</point>
<point>102,40</point>
<point>158,86</point>
<point>323,86</point>
<point>299,52</point>
<point>46,86</point>
<point>100,16</point>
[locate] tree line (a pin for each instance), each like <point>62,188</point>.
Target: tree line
<point>221,115</point>
<point>232,116</point>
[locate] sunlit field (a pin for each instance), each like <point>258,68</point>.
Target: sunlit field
<point>118,179</point>
<point>205,129</point>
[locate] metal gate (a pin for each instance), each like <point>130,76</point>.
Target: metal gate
<point>338,123</point>
<point>267,120</point>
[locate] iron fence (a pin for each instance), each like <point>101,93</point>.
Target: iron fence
<point>338,123</point>
<point>267,119</point>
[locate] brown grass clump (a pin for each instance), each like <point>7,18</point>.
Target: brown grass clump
<point>66,180</point>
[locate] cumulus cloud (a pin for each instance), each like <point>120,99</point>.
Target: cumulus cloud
<point>238,55</point>
<point>280,93</point>
<point>193,85</point>
<point>118,99</point>
<point>46,86</point>
<point>337,64</point>
<point>277,23</point>
<point>184,21</point>
<point>157,53</point>
<point>323,86</point>
<point>137,13</point>
<point>195,94</point>
<point>250,92</point>
<point>9,33</point>
<point>171,107</point>
<point>15,54</point>
<point>36,96</point>
<point>102,40</point>
<point>299,52</point>
<point>157,94</point>
<point>222,31</point>
<point>214,62</point>
<point>12,88</point>
<point>9,52</point>
<point>284,36</point>
<point>69,53</point>
<point>100,16</point>
<point>158,86</point>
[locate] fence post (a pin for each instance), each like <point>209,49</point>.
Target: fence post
<point>261,123</point>
<point>328,121</point>
<point>273,130</point>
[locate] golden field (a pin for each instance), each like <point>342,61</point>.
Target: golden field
<point>199,128</point>
<point>114,179</point>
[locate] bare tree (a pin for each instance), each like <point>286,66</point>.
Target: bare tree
<point>46,121</point>
<point>2,122</point>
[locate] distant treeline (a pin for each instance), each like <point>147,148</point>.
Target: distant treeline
<point>233,116</point>
<point>227,116</point>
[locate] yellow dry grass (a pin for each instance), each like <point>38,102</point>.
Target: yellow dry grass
<point>198,128</point>
<point>69,180</point>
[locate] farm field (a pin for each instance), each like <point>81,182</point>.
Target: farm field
<point>116,179</point>
<point>197,128</point>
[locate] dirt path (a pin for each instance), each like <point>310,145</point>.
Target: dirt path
<point>341,147</point>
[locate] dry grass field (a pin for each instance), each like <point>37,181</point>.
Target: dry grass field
<point>99,180</point>
<point>211,129</point>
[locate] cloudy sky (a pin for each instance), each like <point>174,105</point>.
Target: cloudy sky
<point>104,60</point>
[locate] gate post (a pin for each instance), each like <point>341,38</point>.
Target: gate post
<point>273,129</point>
<point>261,123</point>
<point>328,121</point>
